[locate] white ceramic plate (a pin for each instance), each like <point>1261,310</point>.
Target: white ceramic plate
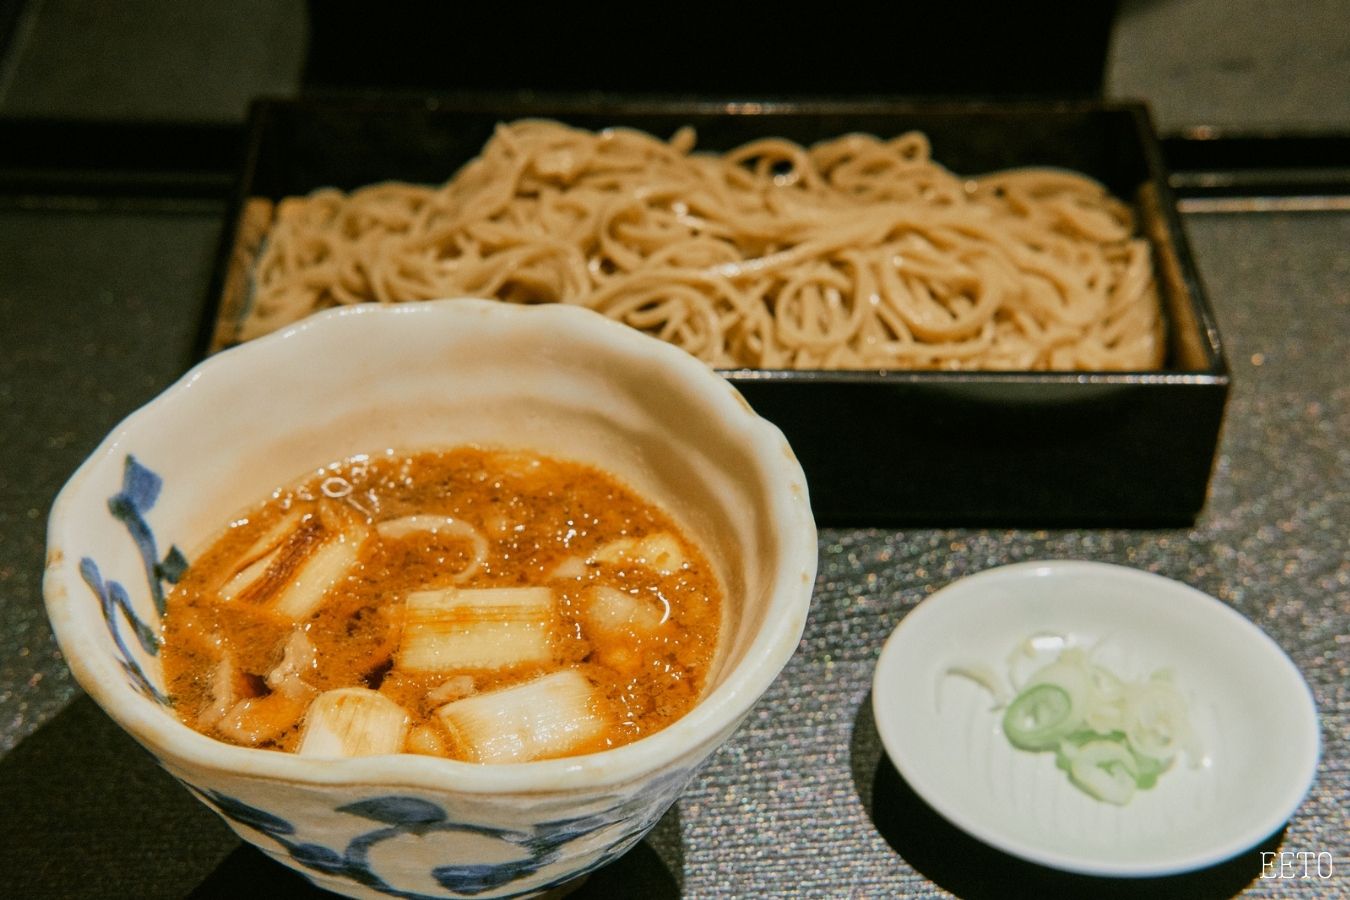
<point>1253,712</point>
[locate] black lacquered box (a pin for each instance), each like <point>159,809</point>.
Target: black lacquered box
<point>878,447</point>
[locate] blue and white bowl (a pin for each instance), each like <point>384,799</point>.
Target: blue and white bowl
<point>563,381</point>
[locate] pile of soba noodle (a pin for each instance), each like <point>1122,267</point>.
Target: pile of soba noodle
<point>855,253</point>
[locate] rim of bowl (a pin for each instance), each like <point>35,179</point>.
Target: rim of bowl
<point>1303,769</point>
<point>717,712</point>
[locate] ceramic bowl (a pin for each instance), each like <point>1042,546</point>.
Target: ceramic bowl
<point>563,381</point>
<point>1253,716</point>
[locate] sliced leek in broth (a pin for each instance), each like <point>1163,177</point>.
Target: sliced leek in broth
<point>482,605</point>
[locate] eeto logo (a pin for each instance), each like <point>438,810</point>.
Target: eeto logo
<point>1301,864</point>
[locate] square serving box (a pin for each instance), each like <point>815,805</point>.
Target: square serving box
<point>879,448</point>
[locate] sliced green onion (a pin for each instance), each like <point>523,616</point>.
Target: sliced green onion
<point>1040,717</point>
<point>1149,770</point>
<point>1111,736</point>
<point>985,677</point>
<point>1157,721</point>
<point>1104,769</point>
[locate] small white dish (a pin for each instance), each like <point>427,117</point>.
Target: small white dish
<point>1255,717</point>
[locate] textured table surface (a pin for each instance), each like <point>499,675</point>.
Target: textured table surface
<point>97,312</point>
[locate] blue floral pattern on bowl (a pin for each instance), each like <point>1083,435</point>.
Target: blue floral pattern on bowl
<point>397,816</point>
<point>140,490</point>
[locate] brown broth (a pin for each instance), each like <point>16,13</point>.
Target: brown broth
<point>536,515</point>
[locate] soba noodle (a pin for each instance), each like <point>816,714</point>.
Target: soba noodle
<point>855,253</point>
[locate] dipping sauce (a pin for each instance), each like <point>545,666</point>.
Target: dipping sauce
<point>477,604</point>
